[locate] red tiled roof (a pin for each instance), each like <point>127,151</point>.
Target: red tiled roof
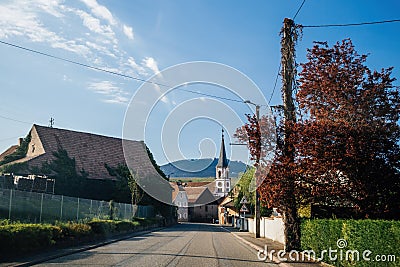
<point>196,184</point>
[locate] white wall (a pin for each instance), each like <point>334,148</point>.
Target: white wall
<point>271,227</point>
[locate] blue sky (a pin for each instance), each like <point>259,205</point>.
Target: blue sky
<point>139,38</point>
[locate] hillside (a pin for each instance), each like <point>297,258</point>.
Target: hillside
<point>200,168</point>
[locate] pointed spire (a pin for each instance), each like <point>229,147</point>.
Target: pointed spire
<point>222,161</point>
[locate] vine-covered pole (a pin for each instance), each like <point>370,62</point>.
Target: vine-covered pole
<point>290,216</point>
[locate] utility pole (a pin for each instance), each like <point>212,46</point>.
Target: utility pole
<point>257,212</point>
<point>290,216</point>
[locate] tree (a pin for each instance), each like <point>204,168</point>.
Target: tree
<point>244,186</point>
<point>126,184</point>
<point>344,145</point>
<point>67,180</point>
<point>348,141</point>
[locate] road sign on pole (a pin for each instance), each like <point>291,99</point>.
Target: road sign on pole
<point>244,200</point>
<point>244,208</point>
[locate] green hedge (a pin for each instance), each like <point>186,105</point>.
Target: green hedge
<point>26,237</point>
<point>16,238</point>
<point>380,237</point>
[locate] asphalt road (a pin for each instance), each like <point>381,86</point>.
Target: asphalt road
<point>181,245</point>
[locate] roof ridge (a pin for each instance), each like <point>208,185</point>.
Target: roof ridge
<point>80,132</point>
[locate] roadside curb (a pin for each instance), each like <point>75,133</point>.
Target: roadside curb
<point>258,248</point>
<point>85,248</point>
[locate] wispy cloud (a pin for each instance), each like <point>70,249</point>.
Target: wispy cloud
<point>94,25</point>
<point>151,63</point>
<point>90,31</point>
<point>100,11</point>
<point>128,31</point>
<point>110,90</point>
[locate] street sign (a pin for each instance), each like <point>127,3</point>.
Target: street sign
<point>244,200</point>
<point>244,208</point>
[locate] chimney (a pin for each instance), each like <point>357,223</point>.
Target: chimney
<point>20,140</point>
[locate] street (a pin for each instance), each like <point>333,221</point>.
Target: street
<point>181,245</point>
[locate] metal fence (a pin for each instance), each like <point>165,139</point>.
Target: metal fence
<point>35,207</point>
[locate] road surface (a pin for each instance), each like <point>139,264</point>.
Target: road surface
<point>181,245</point>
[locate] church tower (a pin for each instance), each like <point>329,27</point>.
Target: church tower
<point>222,181</point>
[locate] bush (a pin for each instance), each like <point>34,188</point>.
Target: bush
<point>378,236</point>
<point>17,238</point>
<point>26,237</point>
<point>106,227</point>
<point>73,230</point>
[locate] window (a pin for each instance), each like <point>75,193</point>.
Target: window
<point>206,207</point>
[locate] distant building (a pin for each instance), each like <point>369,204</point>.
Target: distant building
<point>180,199</point>
<point>202,198</point>
<point>222,181</point>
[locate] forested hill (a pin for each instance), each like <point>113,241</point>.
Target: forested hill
<point>200,168</point>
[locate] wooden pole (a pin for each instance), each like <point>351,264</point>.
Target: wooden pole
<point>290,216</point>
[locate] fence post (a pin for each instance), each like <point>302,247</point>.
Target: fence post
<point>62,202</point>
<point>10,205</point>
<point>77,212</point>
<point>41,209</point>
<point>91,209</point>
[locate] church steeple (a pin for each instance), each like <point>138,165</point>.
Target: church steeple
<point>222,181</point>
<point>222,161</point>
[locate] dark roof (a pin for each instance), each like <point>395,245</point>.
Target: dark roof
<point>222,161</point>
<point>9,151</point>
<point>90,151</point>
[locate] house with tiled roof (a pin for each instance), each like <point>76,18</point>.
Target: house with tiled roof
<point>92,153</point>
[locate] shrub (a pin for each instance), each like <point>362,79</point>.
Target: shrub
<point>25,237</point>
<point>102,227</point>
<point>74,230</point>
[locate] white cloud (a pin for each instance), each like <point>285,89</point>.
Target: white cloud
<point>91,32</point>
<point>136,68</point>
<point>113,94</point>
<point>117,100</point>
<point>164,99</point>
<point>100,11</point>
<point>101,49</point>
<point>95,26</point>
<point>51,7</point>
<point>128,31</point>
<point>150,63</point>
<point>19,20</point>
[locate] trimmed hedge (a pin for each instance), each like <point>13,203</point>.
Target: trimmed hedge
<point>380,237</point>
<point>26,237</point>
<point>17,238</point>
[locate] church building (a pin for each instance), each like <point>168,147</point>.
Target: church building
<point>222,181</point>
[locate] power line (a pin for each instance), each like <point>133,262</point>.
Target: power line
<point>298,10</point>
<point>350,24</point>
<point>213,96</point>
<point>112,72</point>
<point>276,80</point>
<point>12,119</point>
<point>280,64</point>
<point>78,63</point>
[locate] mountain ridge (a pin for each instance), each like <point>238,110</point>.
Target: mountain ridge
<point>200,168</point>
